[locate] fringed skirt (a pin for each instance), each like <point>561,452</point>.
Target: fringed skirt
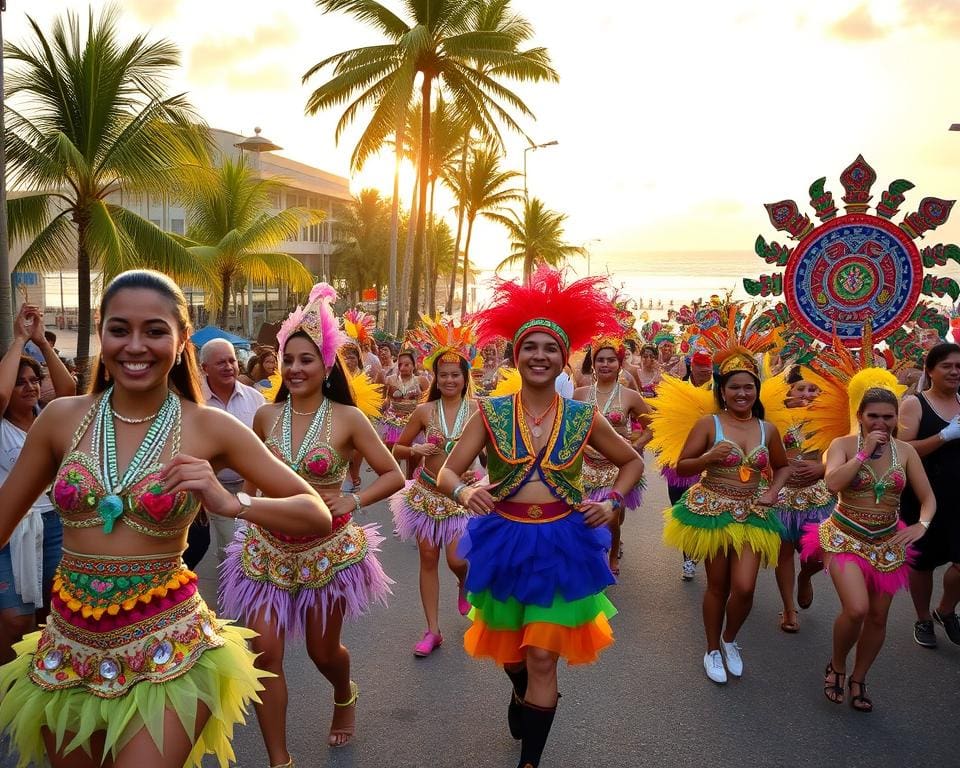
<point>287,578</point>
<point>798,507</point>
<point>391,425</point>
<point>127,640</point>
<point>536,578</point>
<point>678,481</point>
<point>707,522</point>
<point>839,539</point>
<point>599,476</point>
<point>422,513</point>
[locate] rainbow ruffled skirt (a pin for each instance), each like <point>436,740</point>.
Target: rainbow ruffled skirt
<point>536,578</point>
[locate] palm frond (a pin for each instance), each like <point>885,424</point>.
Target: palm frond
<point>54,247</point>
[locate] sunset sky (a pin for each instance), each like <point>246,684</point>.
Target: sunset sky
<point>675,121</point>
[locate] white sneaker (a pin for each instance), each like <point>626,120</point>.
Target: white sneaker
<point>689,570</point>
<point>713,666</point>
<point>734,660</point>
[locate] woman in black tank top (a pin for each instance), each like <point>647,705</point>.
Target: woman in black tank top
<point>930,422</point>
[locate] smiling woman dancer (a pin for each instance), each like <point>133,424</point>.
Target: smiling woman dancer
<point>420,512</point>
<point>538,565</point>
<point>307,586</point>
<point>132,668</point>
<point>725,518</point>
<point>863,544</point>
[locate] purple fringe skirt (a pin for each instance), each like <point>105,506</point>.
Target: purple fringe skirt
<point>678,481</point>
<point>422,513</point>
<point>599,475</point>
<point>798,507</point>
<point>287,580</point>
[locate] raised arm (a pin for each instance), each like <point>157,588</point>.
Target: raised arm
<point>64,385</point>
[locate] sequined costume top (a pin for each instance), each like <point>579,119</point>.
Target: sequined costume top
<point>514,460</point>
<point>79,489</point>
<point>870,501</point>
<point>322,465</point>
<point>403,398</point>
<point>738,465</point>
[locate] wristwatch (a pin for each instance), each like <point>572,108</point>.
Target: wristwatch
<point>245,502</point>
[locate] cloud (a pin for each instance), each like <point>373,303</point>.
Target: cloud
<point>857,26</point>
<point>232,58</point>
<point>266,78</point>
<point>152,11</point>
<point>940,16</point>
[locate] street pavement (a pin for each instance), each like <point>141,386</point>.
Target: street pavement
<point>646,702</point>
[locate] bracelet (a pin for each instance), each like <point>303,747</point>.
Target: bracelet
<point>616,500</point>
<point>925,524</point>
<point>455,495</point>
<point>357,506</point>
<point>861,456</point>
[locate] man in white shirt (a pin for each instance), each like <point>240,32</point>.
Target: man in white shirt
<point>222,390</point>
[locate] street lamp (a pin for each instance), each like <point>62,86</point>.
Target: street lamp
<point>527,149</point>
<point>586,250</point>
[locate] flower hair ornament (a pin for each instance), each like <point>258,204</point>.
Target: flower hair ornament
<point>571,313</point>
<point>358,325</point>
<point>316,320</point>
<point>445,340</point>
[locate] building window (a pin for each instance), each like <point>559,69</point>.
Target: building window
<point>156,222</point>
<point>273,199</point>
<point>176,226</point>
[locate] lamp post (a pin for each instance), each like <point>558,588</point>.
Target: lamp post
<point>528,149</point>
<point>586,250</point>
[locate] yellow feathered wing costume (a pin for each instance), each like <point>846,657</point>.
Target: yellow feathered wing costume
<point>677,407</point>
<point>367,395</point>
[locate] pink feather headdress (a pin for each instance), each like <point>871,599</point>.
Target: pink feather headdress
<point>318,322</point>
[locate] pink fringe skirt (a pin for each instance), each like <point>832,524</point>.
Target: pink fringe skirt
<point>286,579</point>
<point>884,566</point>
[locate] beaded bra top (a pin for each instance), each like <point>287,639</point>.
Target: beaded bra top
<point>867,487</point>
<point>613,411</point>
<point>319,464</point>
<point>738,463</point>
<point>79,491</point>
<point>437,433</point>
<point>403,398</point>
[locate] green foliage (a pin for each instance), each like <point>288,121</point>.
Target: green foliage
<point>536,236</point>
<point>363,258</point>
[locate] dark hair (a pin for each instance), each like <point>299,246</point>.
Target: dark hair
<point>719,382</point>
<point>27,362</point>
<point>252,362</point>
<point>434,393</point>
<point>878,395</point>
<point>184,377</point>
<point>407,353</point>
<point>50,336</point>
<point>336,386</point>
<point>630,344</point>
<point>649,347</point>
<point>938,353</point>
<point>794,376</point>
<point>586,367</point>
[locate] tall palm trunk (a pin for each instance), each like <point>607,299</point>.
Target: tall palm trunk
<point>407,256</point>
<point>466,267</point>
<point>460,214</point>
<point>413,311</point>
<point>224,300</point>
<point>83,296</point>
<point>431,257</point>
<point>6,294</point>
<point>393,306</point>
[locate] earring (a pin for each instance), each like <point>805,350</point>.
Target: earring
<point>106,375</point>
<point>179,357</point>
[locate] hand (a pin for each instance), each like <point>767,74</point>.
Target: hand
<point>22,329</point>
<point>805,471</point>
<point>470,476</point>
<point>597,513</point>
<point>195,476</point>
<point>768,499</point>
<point>477,499</point>
<point>340,504</point>
<point>718,453</point>
<point>34,323</point>
<point>908,535</point>
<point>645,437</point>
<point>876,438</point>
<point>424,449</point>
<point>952,430</point>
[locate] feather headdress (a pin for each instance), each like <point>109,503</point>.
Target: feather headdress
<point>447,340</point>
<point>843,379</point>
<point>358,325</point>
<point>678,405</point>
<point>367,396</point>
<point>570,313</point>
<point>317,320</point>
<point>737,343</point>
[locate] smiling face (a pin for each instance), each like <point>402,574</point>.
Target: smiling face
<point>606,364</point>
<point>268,362</point>
<point>140,337</point>
<point>303,370</point>
<point>740,392</point>
<point>405,365</point>
<point>539,359</point>
<point>803,392</point>
<point>26,389</point>
<point>666,350</point>
<point>450,380</point>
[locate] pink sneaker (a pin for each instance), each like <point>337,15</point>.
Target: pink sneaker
<point>428,645</point>
<point>463,605</point>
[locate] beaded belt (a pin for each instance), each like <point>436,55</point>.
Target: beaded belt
<point>731,491</point>
<point>521,512</point>
<point>871,524</point>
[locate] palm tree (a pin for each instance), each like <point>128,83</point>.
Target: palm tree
<point>234,238</point>
<point>536,236</point>
<point>362,258</point>
<point>441,44</point>
<point>482,190</point>
<point>89,118</point>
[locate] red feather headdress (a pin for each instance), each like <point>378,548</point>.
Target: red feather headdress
<point>572,314</point>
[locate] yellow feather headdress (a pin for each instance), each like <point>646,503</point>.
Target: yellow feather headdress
<point>677,407</point>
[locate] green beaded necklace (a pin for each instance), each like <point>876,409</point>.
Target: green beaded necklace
<point>104,450</point>
<point>309,439</point>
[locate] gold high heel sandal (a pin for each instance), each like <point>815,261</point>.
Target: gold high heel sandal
<point>288,764</point>
<point>348,730</point>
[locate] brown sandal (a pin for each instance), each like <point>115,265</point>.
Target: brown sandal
<point>861,702</point>
<point>790,627</point>
<point>833,689</point>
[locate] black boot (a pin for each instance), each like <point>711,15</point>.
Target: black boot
<point>536,727</point>
<point>519,680</point>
